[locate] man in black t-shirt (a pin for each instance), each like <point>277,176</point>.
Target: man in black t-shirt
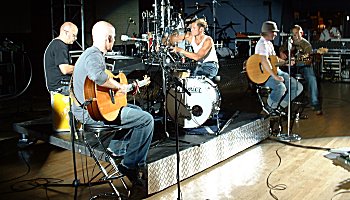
<point>57,62</point>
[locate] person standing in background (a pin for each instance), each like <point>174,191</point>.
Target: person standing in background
<point>330,32</point>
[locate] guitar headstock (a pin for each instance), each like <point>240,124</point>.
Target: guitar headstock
<point>322,50</point>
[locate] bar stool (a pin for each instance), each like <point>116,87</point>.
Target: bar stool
<point>102,135</point>
<point>299,102</point>
<point>276,116</point>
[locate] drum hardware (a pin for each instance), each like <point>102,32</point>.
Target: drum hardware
<point>197,6</point>
<point>214,17</point>
<point>168,23</point>
<point>191,17</point>
<point>229,25</point>
<point>246,19</point>
<point>203,103</point>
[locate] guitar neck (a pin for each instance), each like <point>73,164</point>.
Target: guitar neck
<point>131,86</point>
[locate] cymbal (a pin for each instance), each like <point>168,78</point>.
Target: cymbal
<point>197,6</point>
<point>212,27</point>
<point>231,24</point>
<point>195,13</point>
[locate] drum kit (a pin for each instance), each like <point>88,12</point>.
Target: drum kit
<point>189,100</point>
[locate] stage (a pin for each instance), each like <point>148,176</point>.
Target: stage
<point>198,150</point>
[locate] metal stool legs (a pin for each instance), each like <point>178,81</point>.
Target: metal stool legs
<point>275,121</point>
<point>107,176</point>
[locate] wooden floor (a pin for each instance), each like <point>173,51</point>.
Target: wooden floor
<point>267,170</point>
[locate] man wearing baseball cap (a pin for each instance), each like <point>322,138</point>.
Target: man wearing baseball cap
<point>277,82</point>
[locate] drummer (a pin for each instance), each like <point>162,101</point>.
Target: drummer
<point>203,49</point>
<point>180,38</point>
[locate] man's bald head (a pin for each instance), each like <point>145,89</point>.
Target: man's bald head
<point>101,31</point>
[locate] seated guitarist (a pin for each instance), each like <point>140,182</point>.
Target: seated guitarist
<point>304,49</point>
<point>91,64</point>
<point>278,83</point>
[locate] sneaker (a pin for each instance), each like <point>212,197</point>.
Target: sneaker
<point>274,112</point>
<point>113,155</point>
<point>132,174</point>
<point>317,109</point>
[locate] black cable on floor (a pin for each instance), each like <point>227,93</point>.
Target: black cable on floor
<point>278,186</point>
<point>301,146</point>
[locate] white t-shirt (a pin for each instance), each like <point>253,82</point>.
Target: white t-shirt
<point>264,47</point>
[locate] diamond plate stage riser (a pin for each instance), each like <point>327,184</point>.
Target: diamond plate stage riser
<point>162,173</point>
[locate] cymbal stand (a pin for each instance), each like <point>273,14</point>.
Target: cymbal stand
<point>290,137</point>
<point>164,79</point>
<point>214,18</point>
<point>246,19</point>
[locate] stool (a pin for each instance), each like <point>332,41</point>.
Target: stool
<point>275,121</point>
<point>263,91</point>
<point>299,102</point>
<point>60,109</point>
<point>102,133</point>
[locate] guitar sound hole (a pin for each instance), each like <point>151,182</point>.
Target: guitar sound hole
<point>261,68</point>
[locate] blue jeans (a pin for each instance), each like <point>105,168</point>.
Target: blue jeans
<point>141,126</point>
<point>311,83</point>
<point>279,94</point>
<point>208,69</point>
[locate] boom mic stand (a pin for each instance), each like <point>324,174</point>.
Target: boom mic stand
<point>289,137</point>
<point>177,147</point>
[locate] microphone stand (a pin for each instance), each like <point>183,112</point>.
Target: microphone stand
<point>74,136</point>
<point>177,147</point>
<point>289,137</point>
<point>126,33</point>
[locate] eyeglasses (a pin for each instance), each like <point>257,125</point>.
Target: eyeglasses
<point>74,35</point>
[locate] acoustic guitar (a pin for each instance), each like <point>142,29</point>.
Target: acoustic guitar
<point>105,102</point>
<point>256,72</point>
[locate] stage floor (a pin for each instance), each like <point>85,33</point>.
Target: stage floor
<point>198,149</point>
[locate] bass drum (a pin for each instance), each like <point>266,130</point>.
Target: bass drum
<point>195,109</point>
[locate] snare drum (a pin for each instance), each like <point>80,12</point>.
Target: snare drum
<point>197,108</point>
<point>181,73</point>
<point>60,112</point>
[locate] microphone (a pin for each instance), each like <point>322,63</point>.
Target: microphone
<point>283,34</point>
<point>131,21</point>
<point>178,83</point>
<point>125,38</point>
